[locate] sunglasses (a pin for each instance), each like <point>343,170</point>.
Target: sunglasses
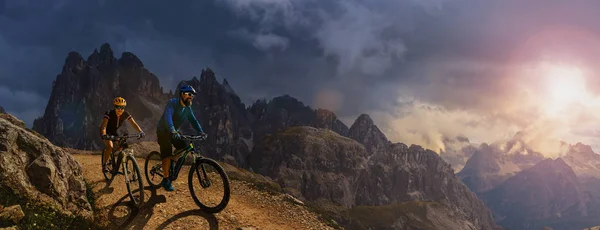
<point>190,94</point>
<point>119,107</point>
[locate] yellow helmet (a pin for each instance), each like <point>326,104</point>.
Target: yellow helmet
<point>119,101</point>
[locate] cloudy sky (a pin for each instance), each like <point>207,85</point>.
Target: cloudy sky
<point>423,69</point>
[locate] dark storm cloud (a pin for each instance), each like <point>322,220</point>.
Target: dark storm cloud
<point>306,48</point>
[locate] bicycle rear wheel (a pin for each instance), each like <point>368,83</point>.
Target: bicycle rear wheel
<point>153,169</point>
<point>134,179</point>
<point>206,173</point>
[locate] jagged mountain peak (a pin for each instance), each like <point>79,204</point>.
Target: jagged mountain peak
<point>363,119</point>
<point>84,90</point>
<point>367,133</point>
<point>74,59</point>
<point>580,148</point>
<point>557,165</point>
<point>103,58</point>
<point>94,57</point>
<point>105,50</point>
<point>130,60</point>
<point>327,119</point>
<point>208,76</point>
<point>584,161</point>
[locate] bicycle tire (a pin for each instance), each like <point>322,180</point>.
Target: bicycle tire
<point>137,172</point>
<point>146,170</point>
<point>226,186</point>
<point>107,175</point>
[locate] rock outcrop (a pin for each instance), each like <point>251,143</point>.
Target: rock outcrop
<point>2,110</point>
<point>285,111</point>
<point>84,90</point>
<point>312,163</point>
<point>34,171</point>
<point>548,194</point>
<point>319,165</point>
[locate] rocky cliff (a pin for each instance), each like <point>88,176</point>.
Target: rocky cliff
<point>84,90</point>
<point>40,178</point>
<point>2,110</point>
<point>548,194</point>
<point>223,117</point>
<point>322,166</point>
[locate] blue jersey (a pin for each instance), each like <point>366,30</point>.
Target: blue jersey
<point>174,115</point>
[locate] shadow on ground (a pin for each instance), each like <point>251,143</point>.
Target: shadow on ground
<point>134,218</point>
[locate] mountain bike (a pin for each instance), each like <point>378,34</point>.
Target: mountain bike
<point>199,171</point>
<point>121,151</point>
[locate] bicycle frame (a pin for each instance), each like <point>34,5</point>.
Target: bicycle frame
<point>116,155</point>
<point>189,149</point>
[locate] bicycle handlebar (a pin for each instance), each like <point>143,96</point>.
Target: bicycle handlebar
<point>114,138</point>
<point>193,137</point>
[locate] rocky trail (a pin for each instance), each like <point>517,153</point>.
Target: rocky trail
<point>248,208</point>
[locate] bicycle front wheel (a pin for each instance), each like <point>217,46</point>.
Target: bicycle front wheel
<point>134,181</point>
<point>207,174</point>
<point>107,168</point>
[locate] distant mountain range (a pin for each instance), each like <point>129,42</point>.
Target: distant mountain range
<point>525,190</point>
<point>352,173</point>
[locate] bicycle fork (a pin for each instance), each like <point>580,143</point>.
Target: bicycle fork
<point>126,172</point>
<point>204,181</point>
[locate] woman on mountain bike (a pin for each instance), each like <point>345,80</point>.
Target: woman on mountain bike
<point>113,120</point>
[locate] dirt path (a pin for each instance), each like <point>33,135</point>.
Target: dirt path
<point>248,207</point>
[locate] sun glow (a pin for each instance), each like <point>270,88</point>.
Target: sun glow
<point>565,87</point>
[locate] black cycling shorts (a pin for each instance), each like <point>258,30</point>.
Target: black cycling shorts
<point>165,140</point>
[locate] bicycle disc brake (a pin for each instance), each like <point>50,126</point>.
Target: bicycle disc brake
<point>205,183</point>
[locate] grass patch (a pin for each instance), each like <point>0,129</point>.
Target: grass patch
<point>330,214</point>
<point>373,217</point>
<point>41,216</point>
<point>89,194</point>
<point>386,215</point>
<point>256,181</point>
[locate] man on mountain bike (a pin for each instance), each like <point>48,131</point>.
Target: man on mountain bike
<point>113,120</point>
<point>176,110</point>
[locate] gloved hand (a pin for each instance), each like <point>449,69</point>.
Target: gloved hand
<point>141,134</point>
<point>176,136</point>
